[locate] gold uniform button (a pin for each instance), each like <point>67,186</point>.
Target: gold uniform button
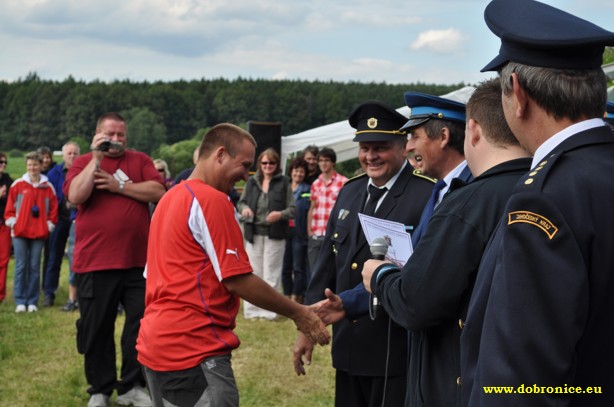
<point>461,324</point>
<point>336,235</point>
<point>529,181</point>
<point>459,382</point>
<point>354,266</point>
<point>534,173</point>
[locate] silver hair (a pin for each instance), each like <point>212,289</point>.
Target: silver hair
<point>562,93</point>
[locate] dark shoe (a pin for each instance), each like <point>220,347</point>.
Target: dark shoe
<point>48,301</point>
<point>70,306</point>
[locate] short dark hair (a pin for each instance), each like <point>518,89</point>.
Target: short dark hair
<point>433,129</point>
<point>313,149</point>
<point>226,135</point>
<point>298,162</point>
<point>484,107</point>
<point>110,116</point>
<point>329,153</point>
<point>44,150</point>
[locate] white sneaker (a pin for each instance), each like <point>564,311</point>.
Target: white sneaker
<point>32,308</point>
<point>136,396</point>
<point>20,308</point>
<point>98,400</point>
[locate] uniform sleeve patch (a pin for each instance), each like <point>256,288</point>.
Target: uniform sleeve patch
<point>533,219</point>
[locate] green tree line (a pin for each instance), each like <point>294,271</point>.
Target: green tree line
<point>35,112</point>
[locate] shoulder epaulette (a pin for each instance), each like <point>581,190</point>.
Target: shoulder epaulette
<point>536,177</point>
<point>419,174</point>
<point>364,174</point>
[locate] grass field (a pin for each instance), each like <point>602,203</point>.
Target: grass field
<point>16,166</point>
<point>40,366</point>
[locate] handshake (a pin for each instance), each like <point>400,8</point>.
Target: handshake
<point>329,311</point>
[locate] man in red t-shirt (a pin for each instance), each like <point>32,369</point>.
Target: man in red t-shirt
<point>197,271</point>
<point>112,187</point>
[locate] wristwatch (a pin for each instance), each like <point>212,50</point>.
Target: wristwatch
<point>121,186</point>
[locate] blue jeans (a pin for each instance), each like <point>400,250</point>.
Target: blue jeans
<point>27,270</point>
<point>57,245</point>
<point>294,271</point>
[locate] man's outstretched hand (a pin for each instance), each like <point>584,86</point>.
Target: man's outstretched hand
<point>331,309</point>
<point>312,326</point>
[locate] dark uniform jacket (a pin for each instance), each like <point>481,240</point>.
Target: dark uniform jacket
<point>430,294</point>
<point>356,300</point>
<point>359,347</point>
<point>542,311</point>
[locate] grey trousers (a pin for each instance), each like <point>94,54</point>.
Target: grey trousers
<point>210,384</point>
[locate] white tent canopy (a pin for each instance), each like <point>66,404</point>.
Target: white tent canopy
<point>338,136</point>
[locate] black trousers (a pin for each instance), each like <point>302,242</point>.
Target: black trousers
<point>100,293</point>
<point>369,391</point>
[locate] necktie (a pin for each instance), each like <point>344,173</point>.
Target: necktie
<point>427,212</point>
<point>375,194</point>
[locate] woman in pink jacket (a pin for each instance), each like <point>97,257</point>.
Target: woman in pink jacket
<point>31,213</point>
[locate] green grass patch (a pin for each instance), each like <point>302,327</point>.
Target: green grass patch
<point>16,167</point>
<point>40,366</point>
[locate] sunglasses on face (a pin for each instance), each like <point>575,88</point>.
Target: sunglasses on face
<point>3,162</point>
<point>160,169</point>
<point>268,163</point>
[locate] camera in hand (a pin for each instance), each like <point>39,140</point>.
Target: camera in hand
<point>104,146</point>
<point>35,211</point>
<point>107,145</point>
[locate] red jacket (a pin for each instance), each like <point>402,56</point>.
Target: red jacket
<point>23,196</point>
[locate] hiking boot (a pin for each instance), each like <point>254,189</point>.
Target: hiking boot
<point>48,301</point>
<point>136,396</point>
<point>98,400</point>
<point>70,306</point>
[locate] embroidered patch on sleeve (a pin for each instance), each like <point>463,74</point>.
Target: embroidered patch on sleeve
<point>533,219</point>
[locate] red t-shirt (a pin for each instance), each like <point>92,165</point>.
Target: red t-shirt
<point>111,229</point>
<point>194,243</point>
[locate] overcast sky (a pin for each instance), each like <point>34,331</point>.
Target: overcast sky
<point>393,41</point>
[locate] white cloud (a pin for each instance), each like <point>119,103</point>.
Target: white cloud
<point>440,41</point>
<point>345,40</point>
